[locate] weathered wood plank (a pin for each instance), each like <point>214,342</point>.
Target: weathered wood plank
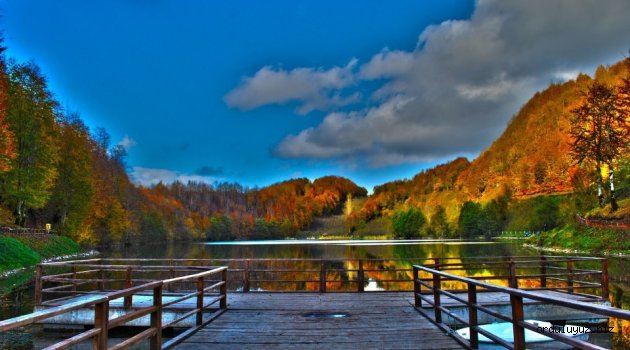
<point>278,321</point>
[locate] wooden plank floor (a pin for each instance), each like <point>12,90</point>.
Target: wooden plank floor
<point>277,321</point>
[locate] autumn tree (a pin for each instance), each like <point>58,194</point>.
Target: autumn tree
<point>31,117</point>
<point>471,220</point>
<point>71,195</point>
<point>600,133</point>
<point>439,224</point>
<point>7,145</point>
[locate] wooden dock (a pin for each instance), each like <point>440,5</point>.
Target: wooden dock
<point>320,321</point>
<point>315,303</point>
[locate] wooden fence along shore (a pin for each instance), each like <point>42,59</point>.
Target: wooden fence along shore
<point>319,302</point>
<point>24,231</point>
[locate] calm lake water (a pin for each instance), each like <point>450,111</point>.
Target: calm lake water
<point>20,302</point>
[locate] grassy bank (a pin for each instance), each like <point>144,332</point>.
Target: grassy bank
<point>20,251</point>
<point>593,240</point>
<point>27,250</point>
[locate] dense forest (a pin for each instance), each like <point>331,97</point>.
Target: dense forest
<point>53,169</point>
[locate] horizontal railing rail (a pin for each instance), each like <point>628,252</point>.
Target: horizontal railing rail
<point>103,323</point>
<point>585,275</point>
<point>434,292</point>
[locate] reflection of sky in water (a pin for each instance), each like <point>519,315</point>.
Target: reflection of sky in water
<point>346,242</point>
<point>373,286</point>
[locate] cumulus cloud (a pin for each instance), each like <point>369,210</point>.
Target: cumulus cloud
<point>387,64</point>
<point>311,88</point>
<point>455,92</point>
<point>152,176</point>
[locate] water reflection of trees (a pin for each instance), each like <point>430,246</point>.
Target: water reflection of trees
<point>341,274</point>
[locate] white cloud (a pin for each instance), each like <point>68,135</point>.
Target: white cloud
<point>152,176</point>
<point>127,142</point>
<point>455,92</point>
<point>387,64</point>
<point>566,75</point>
<point>311,88</point>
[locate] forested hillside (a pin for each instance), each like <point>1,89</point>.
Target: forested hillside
<point>54,170</point>
<point>532,158</point>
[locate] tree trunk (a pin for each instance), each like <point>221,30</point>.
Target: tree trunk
<point>600,193</point>
<point>20,219</point>
<point>613,201</point>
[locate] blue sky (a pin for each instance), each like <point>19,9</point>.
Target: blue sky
<point>258,92</point>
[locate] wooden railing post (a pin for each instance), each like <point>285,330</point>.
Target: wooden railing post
<point>155,342</point>
<point>513,278</point>
<point>543,271</point>
<point>417,287</point>
<point>101,318</point>
<point>38,284</point>
<point>322,277</point>
<point>199,301</point>
<point>128,284</point>
<point>436,298</point>
<point>570,276</point>
<point>101,273</point>
<point>74,278</point>
<point>360,277</point>
<point>223,302</point>
<point>517,316</point>
<point>172,274</point>
<point>605,292</point>
<point>246,276</point>
<point>472,316</point>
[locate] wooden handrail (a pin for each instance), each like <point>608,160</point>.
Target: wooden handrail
<point>278,274</point>
<point>516,300</point>
<point>38,316</point>
<point>102,322</point>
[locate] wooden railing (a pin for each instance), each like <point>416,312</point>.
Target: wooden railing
<point>24,231</point>
<point>431,292</point>
<point>579,275</point>
<point>103,323</point>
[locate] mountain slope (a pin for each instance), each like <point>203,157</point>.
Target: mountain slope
<point>530,158</point>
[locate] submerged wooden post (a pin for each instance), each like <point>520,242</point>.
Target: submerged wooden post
<point>322,277</point>
<point>360,277</point>
<point>38,284</point>
<point>472,316</point>
<point>128,301</point>
<point>101,315</point>
<point>605,292</point>
<point>543,271</point>
<point>199,320</point>
<point>517,317</point>
<point>155,342</point>
<point>570,276</point>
